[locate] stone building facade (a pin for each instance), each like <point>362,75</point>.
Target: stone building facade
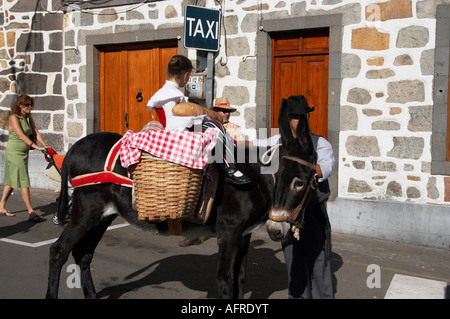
<point>387,99</point>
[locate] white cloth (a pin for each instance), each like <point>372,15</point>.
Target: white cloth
<point>324,150</point>
<point>167,97</point>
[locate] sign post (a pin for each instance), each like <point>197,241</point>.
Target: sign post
<point>202,32</point>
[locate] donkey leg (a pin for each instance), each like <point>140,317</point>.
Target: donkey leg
<point>84,252</point>
<point>240,267</point>
<point>230,261</point>
<point>59,253</point>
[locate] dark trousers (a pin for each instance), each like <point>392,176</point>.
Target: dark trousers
<point>308,260</point>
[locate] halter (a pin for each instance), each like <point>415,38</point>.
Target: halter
<point>293,218</point>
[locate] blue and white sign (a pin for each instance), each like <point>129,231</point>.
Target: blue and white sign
<point>201,28</point>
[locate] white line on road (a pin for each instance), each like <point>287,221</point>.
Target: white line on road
<point>409,287</point>
<point>49,241</point>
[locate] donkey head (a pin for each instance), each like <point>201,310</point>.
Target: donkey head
<point>295,180</point>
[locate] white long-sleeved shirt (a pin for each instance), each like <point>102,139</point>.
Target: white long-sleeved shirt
<point>167,97</point>
<point>324,150</point>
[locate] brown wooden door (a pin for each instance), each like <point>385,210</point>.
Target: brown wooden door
<point>128,79</point>
<point>300,67</point>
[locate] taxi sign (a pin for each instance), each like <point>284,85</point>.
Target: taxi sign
<point>201,28</point>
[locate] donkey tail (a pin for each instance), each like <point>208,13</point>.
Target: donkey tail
<point>63,204</point>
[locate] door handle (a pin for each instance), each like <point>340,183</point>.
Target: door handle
<point>139,97</point>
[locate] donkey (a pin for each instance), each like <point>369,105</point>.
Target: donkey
<point>237,211</point>
<point>296,179</point>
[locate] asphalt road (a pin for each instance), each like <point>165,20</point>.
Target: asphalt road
<point>132,264</point>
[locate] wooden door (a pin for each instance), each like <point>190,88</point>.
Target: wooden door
<point>128,79</point>
<point>300,67</point>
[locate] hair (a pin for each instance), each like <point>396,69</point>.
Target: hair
<point>178,65</point>
<point>21,100</point>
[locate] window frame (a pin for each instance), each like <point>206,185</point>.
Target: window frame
<point>440,164</point>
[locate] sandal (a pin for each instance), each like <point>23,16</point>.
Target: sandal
<point>7,213</point>
<point>33,217</point>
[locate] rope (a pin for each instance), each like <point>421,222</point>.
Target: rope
<point>270,150</point>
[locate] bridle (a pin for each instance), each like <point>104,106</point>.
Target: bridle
<point>293,218</point>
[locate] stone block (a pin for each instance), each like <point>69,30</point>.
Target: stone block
<point>376,61</point>
<point>43,22</point>
<point>32,83</point>
<point>427,62</point>
<point>394,189</point>
<point>107,16</point>
<point>56,41</point>
<point>351,65</point>
<point>358,186</point>
<point>358,96</point>
<point>4,84</point>
<point>412,37</point>
<point>386,125</point>
<point>237,95</point>
<point>393,9</point>
<point>369,39</point>
<point>407,147</point>
<point>362,146</point>
<point>447,189</point>
<point>29,6</point>
<point>404,59</point>
<point>4,119</point>
<point>74,130</point>
<point>432,190</point>
<point>42,120</point>
<point>349,118</point>
<point>28,42</point>
<point>49,103</point>
<point>421,118</point>
<point>47,62</point>
<point>406,91</point>
<point>384,166</point>
<point>379,74</point>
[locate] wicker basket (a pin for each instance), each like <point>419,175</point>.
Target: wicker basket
<point>164,190</point>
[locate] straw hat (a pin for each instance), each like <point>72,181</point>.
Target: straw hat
<point>222,103</point>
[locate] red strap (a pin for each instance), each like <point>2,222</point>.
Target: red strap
<point>107,176</point>
<point>100,178</point>
<point>112,157</point>
<point>161,116</point>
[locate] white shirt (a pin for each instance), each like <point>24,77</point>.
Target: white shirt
<point>167,97</point>
<point>325,157</point>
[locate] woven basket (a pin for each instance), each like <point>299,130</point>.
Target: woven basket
<point>165,190</point>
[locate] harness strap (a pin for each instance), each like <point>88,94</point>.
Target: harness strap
<point>299,160</point>
<point>107,176</point>
<point>292,218</point>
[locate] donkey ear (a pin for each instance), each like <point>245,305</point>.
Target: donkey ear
<point>283,124</point>
<point>304,135</point>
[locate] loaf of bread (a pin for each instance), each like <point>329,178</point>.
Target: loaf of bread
<point>192,109</point>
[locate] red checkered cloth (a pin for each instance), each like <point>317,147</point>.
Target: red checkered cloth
<point>189,149</point>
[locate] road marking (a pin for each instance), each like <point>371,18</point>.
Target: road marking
<point>401,271</point>
<point>49,241</point>
<point>409,287</point>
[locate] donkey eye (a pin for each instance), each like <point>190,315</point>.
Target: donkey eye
<point>297,184</point>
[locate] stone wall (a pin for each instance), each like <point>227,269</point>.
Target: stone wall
<point>31,57</point>
<point>386,65</point>
<point>387,104</point>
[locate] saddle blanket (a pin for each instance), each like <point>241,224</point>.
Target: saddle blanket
<point>189,149</point>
